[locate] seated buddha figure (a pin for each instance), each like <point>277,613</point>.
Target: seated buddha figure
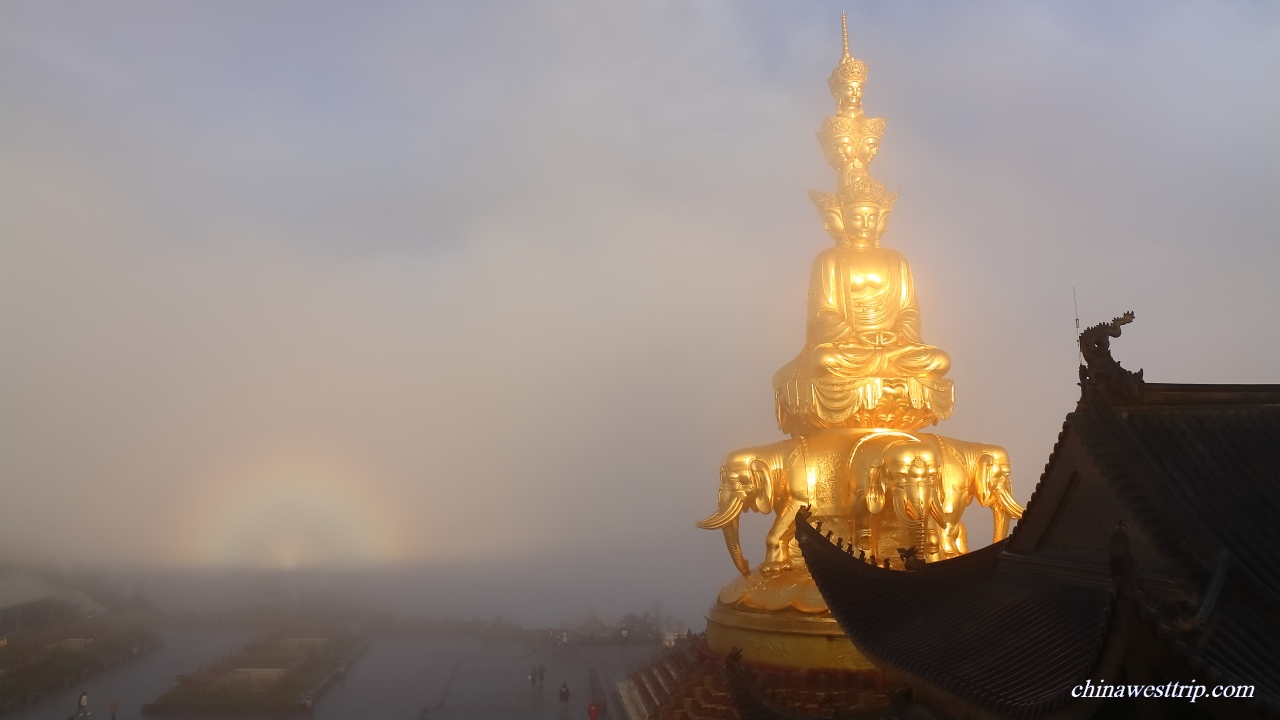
<point>862,338</point>
<point>862,317</point>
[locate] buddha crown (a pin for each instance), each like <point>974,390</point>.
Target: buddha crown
<point>841,126</point>
<point>872,127</point>
<point>850,69</point>
<point>838,126</point>
<point>866,191</point>
<point>824,201</point>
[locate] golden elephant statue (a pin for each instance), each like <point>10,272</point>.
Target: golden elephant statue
<point>972,471</point>
<point>781,478</point>
<point>899,472</point>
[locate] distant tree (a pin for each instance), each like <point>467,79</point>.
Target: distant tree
<point>661,621</point>
<point>638,626</point>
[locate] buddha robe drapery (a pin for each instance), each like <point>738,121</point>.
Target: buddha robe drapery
<point>863,320</point>
<point>862,345</point>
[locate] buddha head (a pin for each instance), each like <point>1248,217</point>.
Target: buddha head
<point>872,129</point>
<point>839,138</point>
<point>847,80</point>
<point>851,144</point>
<point>864,211</point>
<point>828,205</point>
<point>865,224</point>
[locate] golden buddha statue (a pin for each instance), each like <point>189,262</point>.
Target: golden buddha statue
<point>853,401</point>
<point>864,363</point>
<point>862,319</point>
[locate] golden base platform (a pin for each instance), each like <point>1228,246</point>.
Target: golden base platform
<point>787,640</point>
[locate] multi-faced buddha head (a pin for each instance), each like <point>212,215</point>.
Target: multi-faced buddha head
<point>851,144</point>
<point>828,205</point>
<point>864,212</point>
<point>857,216</point>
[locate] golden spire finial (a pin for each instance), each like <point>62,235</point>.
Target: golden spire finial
<point>844,31</point>
<point>850,69</point>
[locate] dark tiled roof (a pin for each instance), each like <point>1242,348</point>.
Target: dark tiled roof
<point>1010,644</point>
<point>1196,464</point>
<point>1241,645</point>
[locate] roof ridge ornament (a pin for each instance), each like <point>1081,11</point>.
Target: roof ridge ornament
<point>1101,375</point>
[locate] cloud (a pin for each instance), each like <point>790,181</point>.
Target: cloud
<point>525,270</point>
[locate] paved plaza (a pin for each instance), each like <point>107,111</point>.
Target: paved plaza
<point>398,678</point>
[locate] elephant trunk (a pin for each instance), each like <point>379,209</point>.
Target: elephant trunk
<point>912,516</point>
<point>732,542</point>
<point>1000,524</point>
<point>726,514</point>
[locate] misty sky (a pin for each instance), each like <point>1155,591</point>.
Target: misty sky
<point>491,288</point>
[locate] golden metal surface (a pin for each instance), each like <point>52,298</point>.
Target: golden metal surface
<point>804,642</point>
<point>853,401</point>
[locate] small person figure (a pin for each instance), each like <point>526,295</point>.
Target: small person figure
<point>533,677</point>
<point>593,711</point>
<point>82,705</point>
<point>564,693</point>
<point>887,564</point>
<point>542,674</point>
<point>112,709</point>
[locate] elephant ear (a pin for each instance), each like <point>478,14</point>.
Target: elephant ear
<point>982,479</point>
<point>762,486</point>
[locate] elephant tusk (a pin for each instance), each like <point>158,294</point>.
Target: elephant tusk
<point>935,512</point>
<point>1007,502</point>
<point>732,541</point>
<point>723,517</point>
<point>905,513</point>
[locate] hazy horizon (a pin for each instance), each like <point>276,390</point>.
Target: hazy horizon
<point>485,292</point>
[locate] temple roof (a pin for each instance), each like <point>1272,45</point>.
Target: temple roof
<point>1192,468</point>
<point>1009,643</point>
<point>1197,466</point>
